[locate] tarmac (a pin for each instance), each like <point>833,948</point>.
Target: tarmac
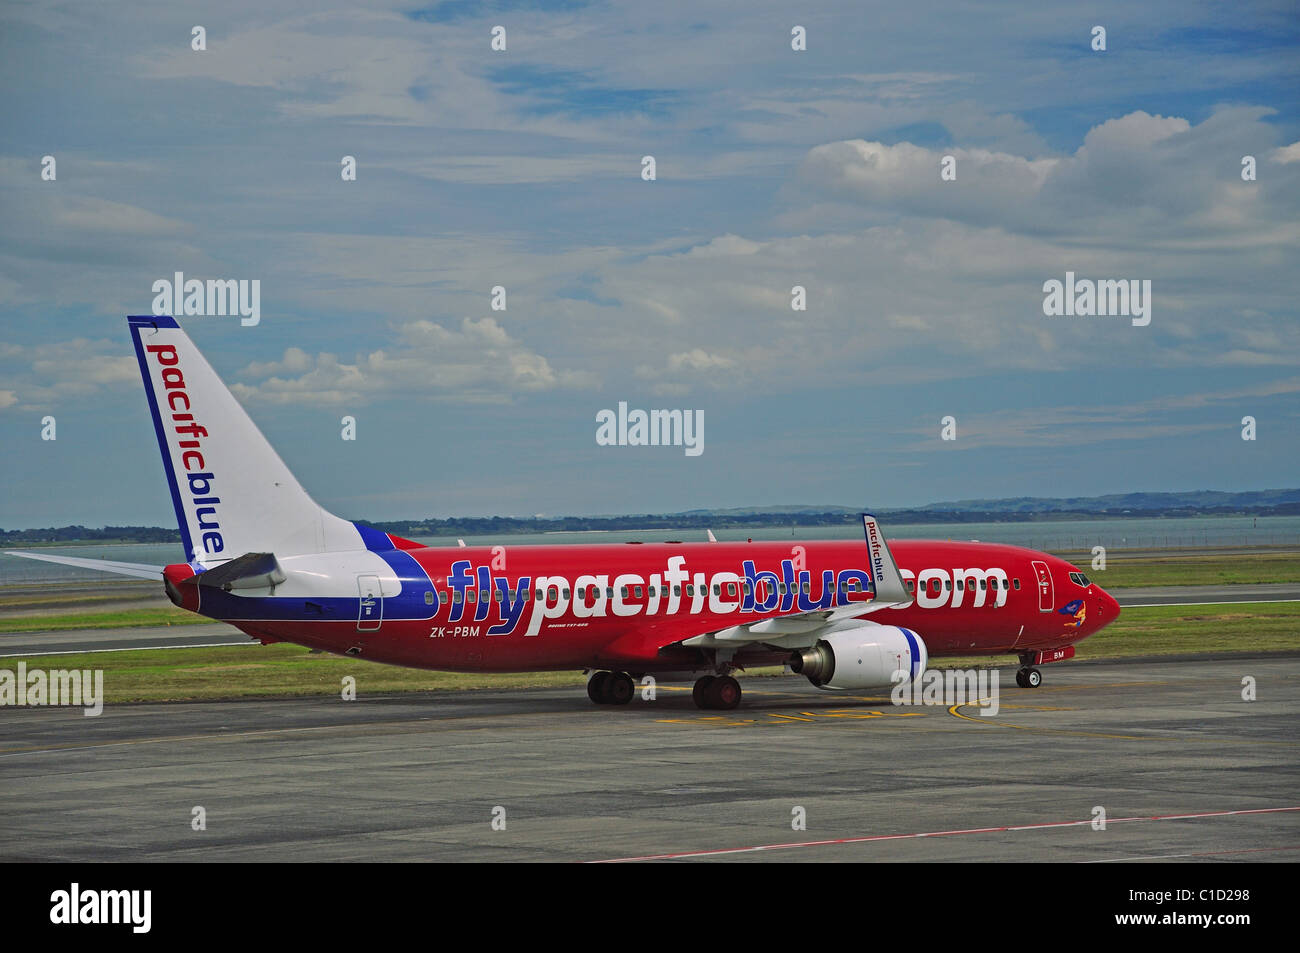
<point>1168,753</point>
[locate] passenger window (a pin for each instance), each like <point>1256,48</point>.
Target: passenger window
<point>552,593</point>
<point>731,589</point>
<point>911,586</point>
<point>677,590</point>
<point>807,587</point>
<point>636,592</point>
<point>456,596</point>
<point>496,594</point>
<point>623,591</point>
<point>566,593</point>
<point>1016,582</point>
<point>984,584</point>
<point>947,584</point>
<point>717,589</point>
<point>690,589</point>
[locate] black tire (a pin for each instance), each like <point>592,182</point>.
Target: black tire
<point>700,693</point>
<point>724,693</point>
<point>1020,679</point>
<point>596,687</point>
<point>619,688</point>
<point>1033,678</point>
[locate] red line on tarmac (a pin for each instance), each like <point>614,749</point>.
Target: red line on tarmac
<point>953,833</point>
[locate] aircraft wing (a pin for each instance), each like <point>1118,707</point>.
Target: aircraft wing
<point>804,628</point>
<point>139,570</point>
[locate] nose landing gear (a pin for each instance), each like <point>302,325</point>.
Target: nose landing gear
<point>1029,677</point>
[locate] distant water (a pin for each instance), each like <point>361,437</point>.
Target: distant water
<point>1056,536</point>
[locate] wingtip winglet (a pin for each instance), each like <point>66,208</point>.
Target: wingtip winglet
<point>885,577</point>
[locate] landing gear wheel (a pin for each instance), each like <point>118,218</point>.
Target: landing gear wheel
<point>724,693</point>
<point>1033,678</point>
<point>700,693</point>
<point>596,687</point>
<point>1020,678</point>
<point>619,688</point>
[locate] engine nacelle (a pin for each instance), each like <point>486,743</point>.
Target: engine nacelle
<point>863,655</point>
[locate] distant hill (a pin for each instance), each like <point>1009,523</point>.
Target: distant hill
<point>1012,509</point>
<point>1117,503</point>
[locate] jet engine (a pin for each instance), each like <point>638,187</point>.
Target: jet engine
<point>863,656</point>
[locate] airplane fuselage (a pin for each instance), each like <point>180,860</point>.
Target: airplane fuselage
<point>520,608</point>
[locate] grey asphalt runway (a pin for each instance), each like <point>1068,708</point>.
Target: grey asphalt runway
<point>1182,766</point>
<point>19,644</point>
<point>1206,595</point>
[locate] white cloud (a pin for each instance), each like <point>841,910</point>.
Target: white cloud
<point>476,363</point>
<point>48,375</point>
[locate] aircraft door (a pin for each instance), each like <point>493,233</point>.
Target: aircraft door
<point>1044,576</point>
<point>370,615</point>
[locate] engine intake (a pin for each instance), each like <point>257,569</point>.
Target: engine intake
<point>863,656</point>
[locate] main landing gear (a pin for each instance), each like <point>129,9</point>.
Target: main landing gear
<point>716,691</point>
<point>720,692</point>
<point>611,688</point>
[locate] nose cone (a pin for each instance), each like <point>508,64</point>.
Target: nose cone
<point>1107,607</point>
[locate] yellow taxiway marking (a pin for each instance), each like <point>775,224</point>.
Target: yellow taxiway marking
<point>781,718</point>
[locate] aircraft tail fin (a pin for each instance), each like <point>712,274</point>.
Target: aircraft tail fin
<point>231,491</point>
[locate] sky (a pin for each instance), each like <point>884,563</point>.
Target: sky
<point>774,168</point>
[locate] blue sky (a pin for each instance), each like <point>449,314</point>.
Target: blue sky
<point>775,168</point>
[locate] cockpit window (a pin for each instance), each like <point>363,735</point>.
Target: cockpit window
<point>1083,580</point>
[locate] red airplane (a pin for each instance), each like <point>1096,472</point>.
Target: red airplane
<point>267,559</point>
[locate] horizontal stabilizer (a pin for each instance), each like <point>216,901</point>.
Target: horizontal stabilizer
<point>249,571</point>
<point>139,570</point>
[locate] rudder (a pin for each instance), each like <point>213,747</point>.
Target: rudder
<point>231,491</point>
